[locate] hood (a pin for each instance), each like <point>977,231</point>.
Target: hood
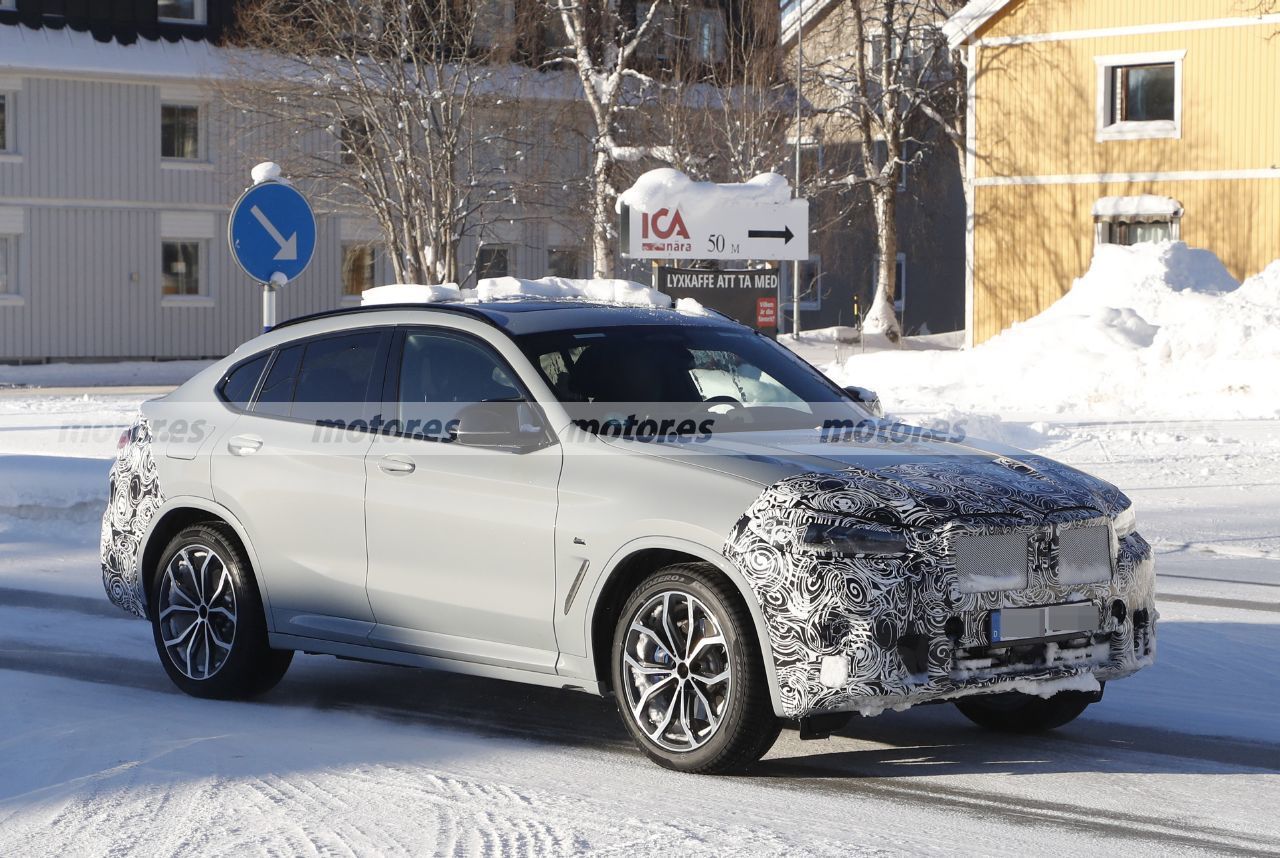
<point>916,481</point>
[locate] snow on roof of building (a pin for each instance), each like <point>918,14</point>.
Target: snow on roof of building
<point>1145,204</point>
<point>64,51</point>
<point>971,18</point>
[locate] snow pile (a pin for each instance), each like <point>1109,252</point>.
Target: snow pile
<point>668,188</point>
<point>1156,330</point>
<point>606,291</point>
<point>602,291</point>
<point>32,483</point>
<point>410,293</point>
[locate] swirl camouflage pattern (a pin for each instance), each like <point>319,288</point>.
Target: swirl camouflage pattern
<point>134,498</point>
<point>908,632</point>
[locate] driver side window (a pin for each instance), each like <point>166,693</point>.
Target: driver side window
<point>440,375</point>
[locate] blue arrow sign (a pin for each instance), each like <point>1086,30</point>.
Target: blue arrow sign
<point>272,231</point>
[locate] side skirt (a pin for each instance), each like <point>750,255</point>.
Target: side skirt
<point>379,655</point>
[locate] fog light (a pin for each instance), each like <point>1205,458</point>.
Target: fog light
<point>1119,611</point>
<point>954,628</point>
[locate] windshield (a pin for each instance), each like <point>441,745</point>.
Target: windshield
<point>748,379</point>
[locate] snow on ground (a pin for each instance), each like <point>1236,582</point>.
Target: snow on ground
<point>100,754</point>
<point>1152,331</point>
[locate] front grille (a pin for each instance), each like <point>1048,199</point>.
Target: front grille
<point>991,561</point>
<point>1084,555</point>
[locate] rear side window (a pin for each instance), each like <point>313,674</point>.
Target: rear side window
<point>326,380</point>
<point>237,388</point>
<point>276,397</point>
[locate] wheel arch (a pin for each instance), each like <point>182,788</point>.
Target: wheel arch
<point>178,514</point>
<point>632,563</point>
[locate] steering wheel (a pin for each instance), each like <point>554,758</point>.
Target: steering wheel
<point>723,400</point>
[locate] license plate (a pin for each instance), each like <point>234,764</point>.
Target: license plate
<point>1012,624</point>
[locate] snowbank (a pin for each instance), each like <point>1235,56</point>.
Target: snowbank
<point>1151,331</point>
<point>29,483</point>
<point>668,188</point>
<point>505,288</point>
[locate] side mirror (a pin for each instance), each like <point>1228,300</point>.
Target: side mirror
<point>496,425</point>
<point>868,399</point>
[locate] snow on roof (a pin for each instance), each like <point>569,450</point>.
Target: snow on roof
<point>603,291</point>
<point>666,187</point>
<point>971,18</point>
<point>65,51</point>
<point>1145,204</point>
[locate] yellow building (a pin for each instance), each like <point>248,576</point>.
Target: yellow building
<point>1114,121</point>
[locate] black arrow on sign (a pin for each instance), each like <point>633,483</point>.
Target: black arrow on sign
<point>785,234</point>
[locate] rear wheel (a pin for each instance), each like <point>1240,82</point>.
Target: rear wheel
<point>1025,713</point>
<point>207,618</point>
<point>688,673</point>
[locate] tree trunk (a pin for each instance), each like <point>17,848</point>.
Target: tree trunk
<point>881,318</point>
<point>602,216</point>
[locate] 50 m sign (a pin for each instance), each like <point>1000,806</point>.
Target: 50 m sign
<point>748,231</point>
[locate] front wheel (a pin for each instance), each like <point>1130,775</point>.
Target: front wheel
<point>207,618</point>
<point>1014,712</point>
<point>688,673</point>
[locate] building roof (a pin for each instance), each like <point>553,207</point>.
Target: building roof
<point>798,13</point>
<point>971,18</point>
<point>123,21</point>
<point>67,51</point>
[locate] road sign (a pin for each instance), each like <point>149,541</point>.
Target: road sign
<point>733,293</point>
<point>272,232</point>
<point>766,312</point>
<point>744,230</point>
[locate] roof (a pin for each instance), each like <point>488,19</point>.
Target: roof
<point>534,317</point>
<point>798,13</point>
<point>66,51</point>
<point>975,14</point>
<point>124,21</point>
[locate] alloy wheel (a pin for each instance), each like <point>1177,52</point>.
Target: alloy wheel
<point>677,671</point>
<point>197,603</point>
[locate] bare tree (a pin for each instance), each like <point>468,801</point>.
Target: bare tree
<point>603,38</point>
<point>893,92</point>
<point>726,114</point>
<point>391,107</point>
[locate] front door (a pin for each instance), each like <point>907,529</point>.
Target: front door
<point>461,537</point>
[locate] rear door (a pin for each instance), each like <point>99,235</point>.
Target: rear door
<point>461,537</point>
<point>291,469</point>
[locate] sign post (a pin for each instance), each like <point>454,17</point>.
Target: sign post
<point>272,234</point>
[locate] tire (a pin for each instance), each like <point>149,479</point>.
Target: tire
<point>722,677</point>
<point>1024,713</point>
<point>207,619</point>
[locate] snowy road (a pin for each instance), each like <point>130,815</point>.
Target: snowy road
<point>100,754</point>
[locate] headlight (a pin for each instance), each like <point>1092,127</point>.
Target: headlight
<point>1125,522</point>
<point>856,539</point>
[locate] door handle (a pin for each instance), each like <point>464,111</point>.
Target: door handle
<point>396,466</point>
<point>244,445</point>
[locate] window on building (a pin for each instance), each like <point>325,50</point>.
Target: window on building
<point>1133,220</point>
<point>357,267</point>
<point>708,35</point>
<point>564,262</point>
<point>899,282</point>
<point>662,32</point>
<point>493,260</point>
<point>180,131</point>
<point>55,8</point>
<point>355,136</point>
<point>181,267</point>
<point>5,143</point>
<point>181,11</point>
<point>1140,95</point>
<point>494,22</point>
<point>8,264</point>
<point>881,153</point>
<point>811,274</point>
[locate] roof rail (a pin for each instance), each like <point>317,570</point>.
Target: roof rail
<point>460,309</point>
